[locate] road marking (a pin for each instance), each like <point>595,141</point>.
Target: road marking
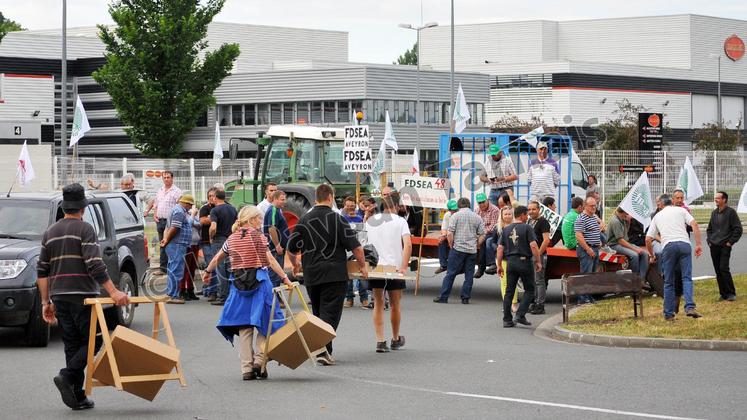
<point>508,399</point>
<point>431,265</point>
<point>703,278</point>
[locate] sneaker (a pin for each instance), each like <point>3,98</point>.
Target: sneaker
<point>491,270</point>
<point>692,313</point>
<point>669,318</point>
<point>66,391</point>
<point>479,274</point>
<point>439,300</point>
<point>218,302</point>
<point>325,359</point>
<point>83,404</point>
<point>398,343</point>
<point>608,250</point>
<point>440,270</point>
<point>176,300</point>
<point>369,306</point>
<point>348,303</point>
<point>731,298</point>
<point>257,370</point>
<point>365,305</point>
<point>381,347</point>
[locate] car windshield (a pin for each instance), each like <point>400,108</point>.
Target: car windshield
<point>27,219</point>
<point>333,164</point>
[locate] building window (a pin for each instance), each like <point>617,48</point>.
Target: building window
<point>445,111</point>
<point>302,113</point>
<point>329,112</point>
<point>358,106</point>
<point>250,114</point>
<point>316,113</point>
<point>343,111</point>
<point>224,115</point>
<point>276,111</point>
<point>411,111</point>
<point>401,111</point>
<point>288,113</point>
<point>237,115</point>
<point>263,114</point>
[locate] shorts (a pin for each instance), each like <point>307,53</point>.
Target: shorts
<point>387,284</point>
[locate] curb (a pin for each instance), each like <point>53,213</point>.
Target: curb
<point>551,328</point>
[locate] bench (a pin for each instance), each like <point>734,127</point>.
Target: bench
<point>622,282</point>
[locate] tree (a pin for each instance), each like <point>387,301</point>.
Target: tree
<point>410,57</point>
<point>153,73</point>
<point>621,132</point>
<point>513,124</point>
<point>7,25</point>
<point>714,136</point>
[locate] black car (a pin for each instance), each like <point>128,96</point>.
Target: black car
<point>23,219</point>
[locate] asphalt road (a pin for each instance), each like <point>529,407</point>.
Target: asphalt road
<point>458,363</point>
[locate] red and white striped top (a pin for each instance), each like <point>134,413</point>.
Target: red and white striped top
<point>247,248</point>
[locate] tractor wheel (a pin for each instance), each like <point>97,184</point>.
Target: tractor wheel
<point>295,207</point>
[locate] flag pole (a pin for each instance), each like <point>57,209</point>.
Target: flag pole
<point>12,184</point>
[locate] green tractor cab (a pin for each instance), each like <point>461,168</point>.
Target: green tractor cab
<point>298,159</point>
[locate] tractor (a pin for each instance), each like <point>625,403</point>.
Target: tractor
<point>297,158</point>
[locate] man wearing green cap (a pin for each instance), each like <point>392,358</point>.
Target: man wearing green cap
<point>443,244</point>
<point>500,175</point>
<point>176,239</point>
<point>490,215</point>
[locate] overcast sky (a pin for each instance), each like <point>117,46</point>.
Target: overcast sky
<point>372,25</point>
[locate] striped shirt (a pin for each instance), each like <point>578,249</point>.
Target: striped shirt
<point>501,169</point>
<point>247,248</point>
<point>589,226</point>
<point>70,257</point>
<point>466,226</point>
<point>166,200</point>
<point>544,177</point>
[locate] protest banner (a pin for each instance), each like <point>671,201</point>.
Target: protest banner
<point>553,218</point>
<point>357,150</point>
<point>425,192</point>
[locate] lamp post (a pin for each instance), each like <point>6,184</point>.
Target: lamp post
<point>417,101</point>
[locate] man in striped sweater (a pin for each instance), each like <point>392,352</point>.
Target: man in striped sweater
<point>70,269</point>
<point>543,174</point>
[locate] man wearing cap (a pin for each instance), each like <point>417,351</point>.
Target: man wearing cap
<point>502,176</point>
<point>176,238</point>
<point>490,215</point>
<point>543,174</point>
<point>443,244</point>
<point>466,235</point>
<point>69,270</point>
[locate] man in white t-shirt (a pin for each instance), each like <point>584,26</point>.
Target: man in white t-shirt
<point>671,224</point>
<point>390,235</point>
<point>265,204</point>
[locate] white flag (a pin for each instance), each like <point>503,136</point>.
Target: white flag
<point>217,148</point>
<point>415,169</point>
<point>80,123</point>
<point>688,182</point>
<point>639,203</point>
<point>389,138</point>
<point>531,137</point>
<point>25,171</point>
<point>378,166</point>
<point>461,112</point>
<point>742,207</point>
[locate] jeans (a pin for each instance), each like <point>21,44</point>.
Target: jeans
<point>518,269</point>
<point>274,278</point>
<point>443,253</point>
<point>175,268</point>
<point>496,192</point>
<point>486,253</point>
<point>677,254</point>
<point>638,263</point>
<point>326,303</point>
<point>163,260</point>
<point>74,321</point>
<point>212,289</point>
<point>222,270</point>
<point>720,256</point>
<point>540,284</point>
<point>459,261</point>
<point>362,286</point>
<point>588,265</point>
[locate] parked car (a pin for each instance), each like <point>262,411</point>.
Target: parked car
<point>24,217</point>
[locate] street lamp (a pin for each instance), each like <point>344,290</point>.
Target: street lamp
<point>720,116</point>
<point>417,101</point>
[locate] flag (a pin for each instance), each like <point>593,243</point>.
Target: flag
<point>742,207</point>
<point>25,171</point>
<point>461,112</point>
<point>531,137</point>
<point>80,123</point>
<point>389,138</point>
<point>639,202</point>
<point>415,167</point>
<point>378,166</point>
<point>688,182</point>
<point>217,148</point>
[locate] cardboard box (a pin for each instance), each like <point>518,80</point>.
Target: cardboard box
<point>137,354</point>
<point>380,272</point>
<point>285,344</point>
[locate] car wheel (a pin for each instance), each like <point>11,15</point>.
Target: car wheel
<point>37,330</point>
<point>122,315</point>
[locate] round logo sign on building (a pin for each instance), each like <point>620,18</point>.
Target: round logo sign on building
<point>734,47</point>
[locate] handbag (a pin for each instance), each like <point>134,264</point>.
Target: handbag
<point>245,279</point>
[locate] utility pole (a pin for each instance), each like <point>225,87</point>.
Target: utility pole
<point>63,96</point>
